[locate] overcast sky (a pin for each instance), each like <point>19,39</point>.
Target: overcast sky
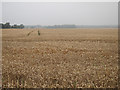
<point>49,13</point>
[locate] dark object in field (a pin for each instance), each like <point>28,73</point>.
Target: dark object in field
<point>38,32</point>
<point>29,33</point>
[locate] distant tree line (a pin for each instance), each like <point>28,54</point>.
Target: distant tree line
<point>61,26</point>
<point>52,26</point>
<point>7,26</point>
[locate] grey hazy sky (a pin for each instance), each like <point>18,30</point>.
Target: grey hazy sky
<point>49,13</point>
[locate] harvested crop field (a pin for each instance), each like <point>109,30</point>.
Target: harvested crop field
<point>50,58</point>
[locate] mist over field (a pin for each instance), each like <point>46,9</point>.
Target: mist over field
<point>60,45</point>
<point>58,13</point>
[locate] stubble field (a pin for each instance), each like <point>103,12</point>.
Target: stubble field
<point>50,58</point>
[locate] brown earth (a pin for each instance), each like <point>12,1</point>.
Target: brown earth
<point>60,58</point>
